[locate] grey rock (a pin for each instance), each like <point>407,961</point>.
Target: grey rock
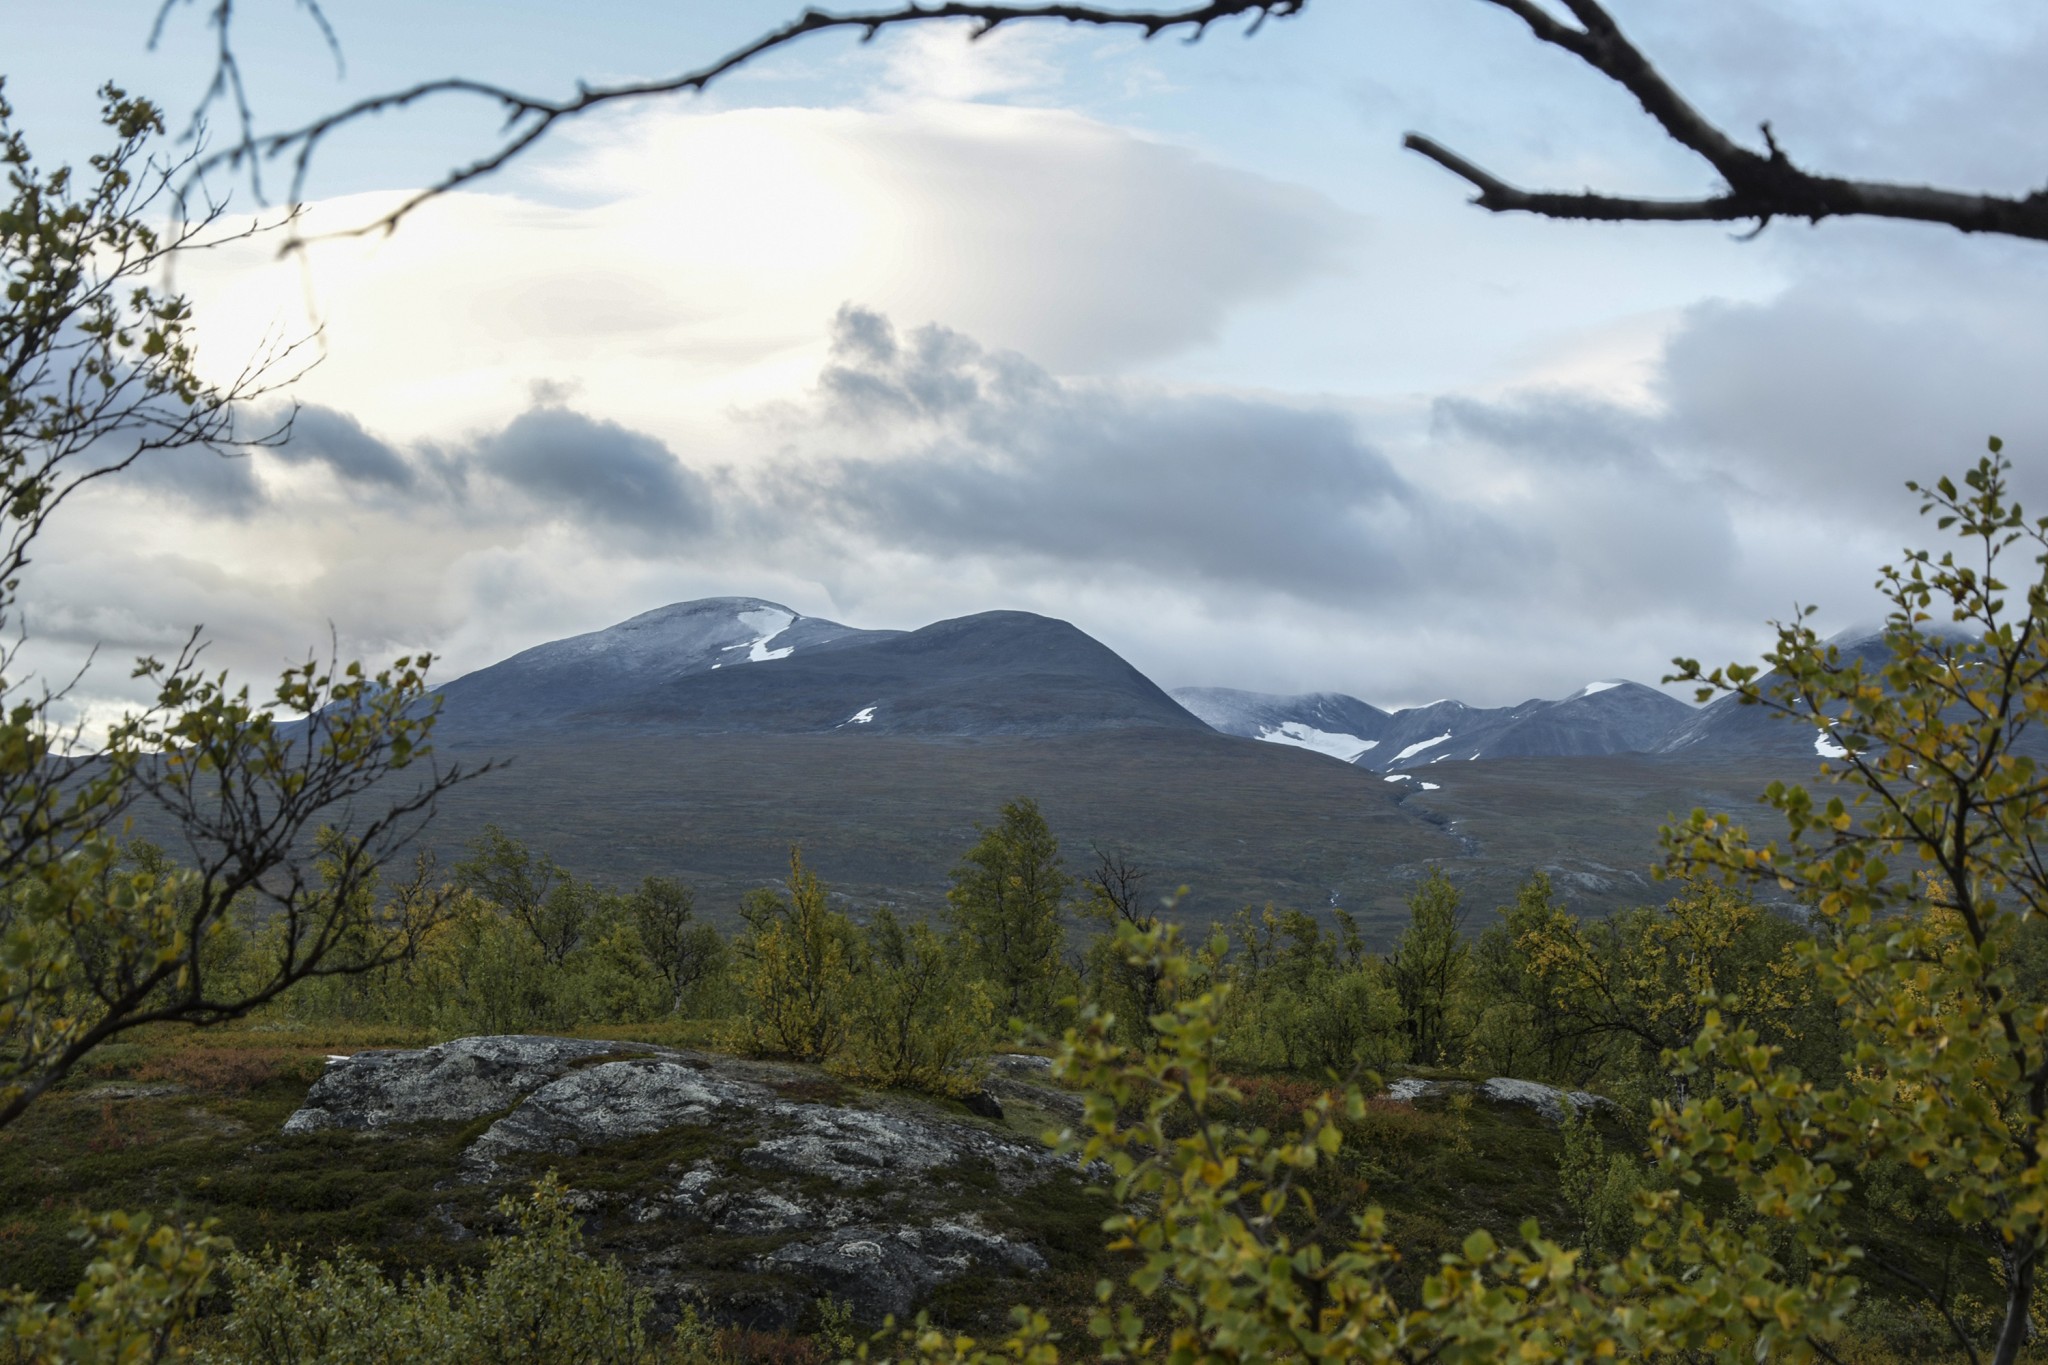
<point>1547,1100</point>
<point>615,1100</point>
<point>884,1270</point>
<point>134,1090</point>
<point>1021,1078</point>
<point>863,1200</point>
<point>857,1146</point>
<point>756,1213</point>
<point>449,1083</point>
<point>1025,1064</point>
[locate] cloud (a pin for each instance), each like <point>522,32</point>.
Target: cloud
<point>212,483</point>
<point>1895,365</point>
<point>335,439</point>
<point>676,263</point>
<point>967,452</point>
<point>597,471</point>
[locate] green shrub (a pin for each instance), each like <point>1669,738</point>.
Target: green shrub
<point>539,1299</point>
<point>918,1019</point>
<point>134,1303</point>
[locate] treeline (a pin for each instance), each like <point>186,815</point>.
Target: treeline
<point>514,943</point>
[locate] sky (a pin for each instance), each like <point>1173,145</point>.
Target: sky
<point>1169,340</point>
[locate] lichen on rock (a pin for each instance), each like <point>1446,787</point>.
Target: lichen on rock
<point>724,1180</point>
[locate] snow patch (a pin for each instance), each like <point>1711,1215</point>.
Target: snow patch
<point>1335,744</point>
<point>1397,777</point>
<point>864,716</point>
<point>1432,786</point>
<point>1825,746</point>
<point>770,623</point>
<point>1415,749</point>
<point>1590,688</point>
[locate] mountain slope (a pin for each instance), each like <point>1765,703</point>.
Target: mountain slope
<point>606,668</point>
<point>1600,718</point>
<point>1326,722</point>
<point>745,665</point>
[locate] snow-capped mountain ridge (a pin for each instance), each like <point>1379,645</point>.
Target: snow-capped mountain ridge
<point>1605,717</point>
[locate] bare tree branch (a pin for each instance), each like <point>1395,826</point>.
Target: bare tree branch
<point>528,118</point>
<point>1760,185</point>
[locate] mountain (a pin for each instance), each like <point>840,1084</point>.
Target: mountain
<point>1326,722</point>
<point>609,668</point>
<point>1725,727</point>
<point>1600,718</point>
<point>741,664</point>
<point>703,739</point>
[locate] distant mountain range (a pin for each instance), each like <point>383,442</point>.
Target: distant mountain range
<point>703,739</point>
<point>1600,718</point>
<point>734,665</point>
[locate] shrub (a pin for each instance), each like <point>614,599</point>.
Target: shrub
<point>918,1020</point>
<point>539,1299</point>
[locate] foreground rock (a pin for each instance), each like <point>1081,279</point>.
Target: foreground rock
<point>1546,1100</point>
<point>452,1083</point>
<point>750,1189</point>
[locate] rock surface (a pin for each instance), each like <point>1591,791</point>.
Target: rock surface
<point>753,1196</point>
<point>448,1083</point>
<point>1546,1100</point>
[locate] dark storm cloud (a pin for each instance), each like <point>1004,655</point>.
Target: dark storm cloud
<point>337,440</point>
<point>598,472</point>
<point>967,453</point>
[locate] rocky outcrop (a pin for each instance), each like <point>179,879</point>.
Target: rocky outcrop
<point>1546,1100</point>
<point>776,1196</point>
<point>885,1270</point>
<point>450,1083</point>
<point>613,1101</point>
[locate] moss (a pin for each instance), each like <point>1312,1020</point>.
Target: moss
<point>641,1163</point>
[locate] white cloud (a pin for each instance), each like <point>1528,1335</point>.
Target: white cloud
<point>684,261</point>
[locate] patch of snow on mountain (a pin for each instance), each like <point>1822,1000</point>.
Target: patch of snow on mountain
<point>770,623</point>
<point>1824,745</point>
<point>864,716</point>
<point>1432,786</point>
<point>1590,688</point>
<point>1294,732</point>
<point>1397,777</point>
<point>1415,749</point>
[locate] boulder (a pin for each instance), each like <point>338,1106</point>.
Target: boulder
<point>450,1083</point>
<point>855,1146</point>
<point>890,1270</point>
<point>774,1197</point>
<point>612,1101</point>
<point>1546,1100</point>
